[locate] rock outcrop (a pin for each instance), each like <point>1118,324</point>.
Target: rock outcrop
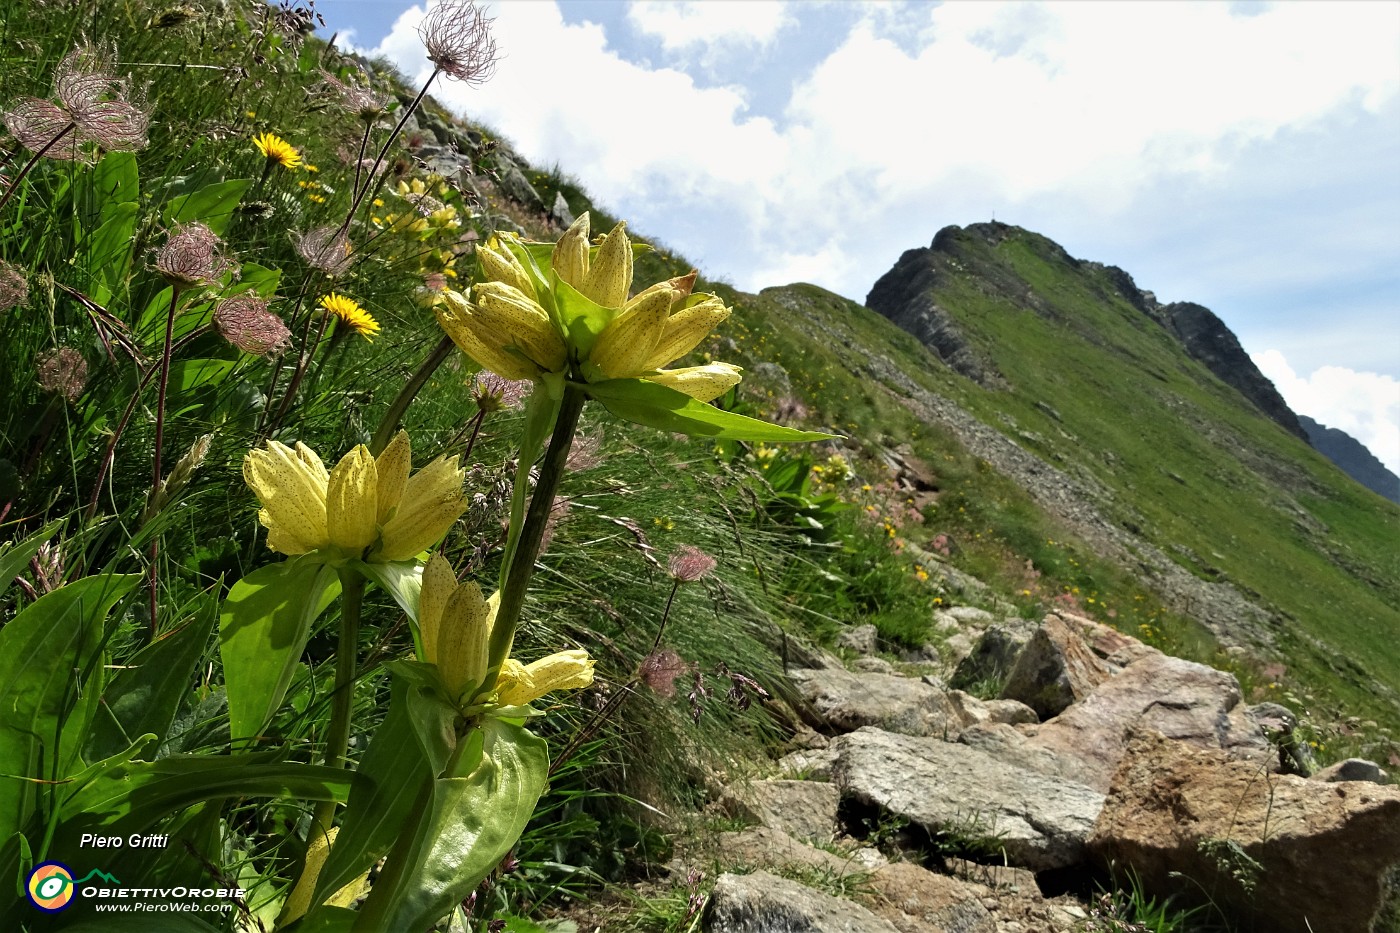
<point>1282,853</point>
<point>1038,822</point>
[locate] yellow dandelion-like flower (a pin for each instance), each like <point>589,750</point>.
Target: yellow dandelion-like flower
<point>276,149</point>
<point>351,314</point>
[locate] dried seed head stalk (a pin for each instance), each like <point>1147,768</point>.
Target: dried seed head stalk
<point>14,287</point>
<point>327,249</point>
<point>497,393</point>
<point>356,97</point>
<point>245,322</point>
<point>690,564</point>
<point>457,36</point>
<point>63,372</point>
<point>192,256</point>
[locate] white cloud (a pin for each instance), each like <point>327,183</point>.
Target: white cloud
<point>1083,121</point>
<point>1365,405</point>
<point>687,24</point>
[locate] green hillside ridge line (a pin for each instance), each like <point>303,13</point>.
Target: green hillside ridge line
<point>1185,461</point>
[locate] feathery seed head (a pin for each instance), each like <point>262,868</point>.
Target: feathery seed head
<point>497,393</point>
<point>327,249</point>
<point>690,564</point>
<point>63,372</point>
<point>355,97</point>
<point>457,37</point>
<point>245,322</point>
<point>14,287</point>
<point>37,123</point>
<point>192,256</point>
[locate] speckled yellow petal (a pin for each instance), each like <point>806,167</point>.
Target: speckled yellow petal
<point>462,641</point>
<point>312,463</point>
<point>570,257</point>
<point>609,275</point>
<point>685,329</point>
<point>293,499</point>
<point>564,670</point>
<point>702,383</point>
<point>454,316</point>
<point>501,265</point>
<point>352,502</point>
<point>439,583</point>
<point>629,341</point>
<point>498,309</point>
<point>392,467</point>
<point>432,501</point>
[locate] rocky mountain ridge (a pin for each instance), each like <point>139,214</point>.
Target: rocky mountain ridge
<point>1353,457</point>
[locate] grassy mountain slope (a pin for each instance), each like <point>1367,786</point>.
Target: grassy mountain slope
<point>1175,457</point>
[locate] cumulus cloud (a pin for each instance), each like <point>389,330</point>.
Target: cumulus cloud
<point>1087,122</point>
<point>1365,405</point>
<point>686,24</point>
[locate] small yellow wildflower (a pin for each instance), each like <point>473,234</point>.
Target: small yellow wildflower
<point>276,149</point>
<point>351,314</point>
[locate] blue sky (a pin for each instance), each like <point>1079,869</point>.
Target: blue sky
<point>1242,156</point>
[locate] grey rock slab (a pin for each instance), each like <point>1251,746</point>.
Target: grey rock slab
<point>761,902</point>
<point>1040,822</point>
<point>1352,769</point>
<point>809,764</point>
<point>802,809</point>
<point>848,701</point>
<point>1054,670</point>
<point>862,639</point>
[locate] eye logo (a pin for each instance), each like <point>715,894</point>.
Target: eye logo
<point>51,886</point>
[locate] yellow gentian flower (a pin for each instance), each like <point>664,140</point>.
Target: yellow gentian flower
<point>367,507</point>
<point>504,327</point>
<point>454,625</point>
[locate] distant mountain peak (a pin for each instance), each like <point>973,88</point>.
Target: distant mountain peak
<point>1353,458</point>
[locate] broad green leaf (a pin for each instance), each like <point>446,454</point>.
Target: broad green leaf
<point>46,690</point>
<point>15,556</point>
<point>328,920</point>
<point>145,696</point>
<point>212,205</point>
<point>106,253</point>
<point>188,375</point>
<point>133,795</point>
<point>395,771</point>
<point>263,627</point>
<point>470,824</point>
<point>403,580</point>
<point>115,182</point>
<point>664,408</point>
<point>581,319</point>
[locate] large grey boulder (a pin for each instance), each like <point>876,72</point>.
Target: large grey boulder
<point>761,902</point>
<point>1279,852</point>
<point>1055,669</point>
<point>1181,699</point>
<point>1038,822</point>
